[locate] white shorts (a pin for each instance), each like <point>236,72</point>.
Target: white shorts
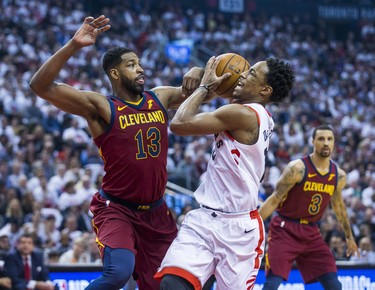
<point>231,246</point>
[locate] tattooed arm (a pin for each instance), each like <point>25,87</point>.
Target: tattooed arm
<point>292,174</point>
<point>339,208</point>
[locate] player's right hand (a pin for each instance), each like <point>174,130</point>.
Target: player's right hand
<point>90,29</point>
<point>191,80</point>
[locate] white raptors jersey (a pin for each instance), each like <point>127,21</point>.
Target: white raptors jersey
<point>235,170</point>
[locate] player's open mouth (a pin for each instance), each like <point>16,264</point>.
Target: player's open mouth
<point>140,80</point>
<point>237,89</point>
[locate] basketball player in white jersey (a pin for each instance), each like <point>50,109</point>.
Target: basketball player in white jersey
<point>225,236</point>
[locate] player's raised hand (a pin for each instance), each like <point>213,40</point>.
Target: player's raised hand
<point>90,29</point>
<point>210,78</point>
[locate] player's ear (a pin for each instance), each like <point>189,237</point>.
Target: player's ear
<point>266,91</point>
<point>114,73</point>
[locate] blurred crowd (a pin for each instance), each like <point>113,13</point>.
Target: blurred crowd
<point>49,167</point>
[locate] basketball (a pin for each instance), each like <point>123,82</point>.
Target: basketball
<point>235,64</point>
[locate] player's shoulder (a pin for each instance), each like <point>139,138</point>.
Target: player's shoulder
<point>296,164</point>
<point>295,169</point>
<point>95,97</point>
<point>341,173</point>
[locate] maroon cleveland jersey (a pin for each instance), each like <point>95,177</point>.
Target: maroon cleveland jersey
<point>307,200</point>
<point>134,150</point>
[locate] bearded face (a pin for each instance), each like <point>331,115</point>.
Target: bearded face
<point>323,143</point>
<point>131,85</point>
<point>325,152</point>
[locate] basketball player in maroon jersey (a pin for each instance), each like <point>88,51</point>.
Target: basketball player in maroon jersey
<point>133,225</point>
<point>305,189</point>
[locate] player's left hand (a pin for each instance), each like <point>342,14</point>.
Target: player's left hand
<point>352,247</point>
<point>191,81</point>
<point>210,78</point>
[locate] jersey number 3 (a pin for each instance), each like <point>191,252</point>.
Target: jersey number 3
<point>150,146</point>
<point>315,204</point>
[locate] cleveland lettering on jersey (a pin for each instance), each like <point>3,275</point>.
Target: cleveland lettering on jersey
<point>141,118</point>
<point>319,187</point>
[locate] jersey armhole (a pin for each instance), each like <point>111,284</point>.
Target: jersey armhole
<point>112,120</point>
<point>256,113</point>
<point>152,95</point>
<point>305,174</point>
<point>335,169</point>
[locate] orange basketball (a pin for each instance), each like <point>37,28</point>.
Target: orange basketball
<point>235,64</point>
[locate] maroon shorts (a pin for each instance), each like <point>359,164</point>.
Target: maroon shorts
<point>148,234</point>
<point>290,241</point>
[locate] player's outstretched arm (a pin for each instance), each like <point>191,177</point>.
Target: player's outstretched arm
<point>172,97</point>
<point>292,174</point>
<point>339,208</point>
<point>64,96</point>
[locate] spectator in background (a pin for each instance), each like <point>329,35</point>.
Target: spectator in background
<point>369,220</point>
<point>70,225</point>
<point>367,254</point>
<point>368,193</point>
<point>56,182</point>
<point>90,156</point>
<point>33,115</point>
<point>43,195</point>
<point>74,169</point>
<point>69,197</point>
<point>64,244</point>
<point>15,174</point>
<point>93,251</point>
<point>84,216</point>
<point>337,247</point>
<point>78,254</point>
<point>85,188</point>
<point>26,267</point>
<point>37,174</point>
<point>13,230</point>
<point>75,136</point>
<point>265,191</point>
<point>7,133</point>
<point>48,233</point>
<point>52,124</point>
<point>4,246</point>
<point>14,211</point>
<point>185,174</point>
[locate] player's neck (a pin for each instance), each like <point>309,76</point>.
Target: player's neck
<point>320,163</point>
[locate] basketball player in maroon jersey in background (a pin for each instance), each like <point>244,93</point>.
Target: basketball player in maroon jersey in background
<point>305,189</point>
<point>133,225</point>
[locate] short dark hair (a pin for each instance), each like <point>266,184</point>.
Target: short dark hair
<point>113,57</point>
<point>321,127</point>
<point>280,77</point>
<point>27,236</point>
